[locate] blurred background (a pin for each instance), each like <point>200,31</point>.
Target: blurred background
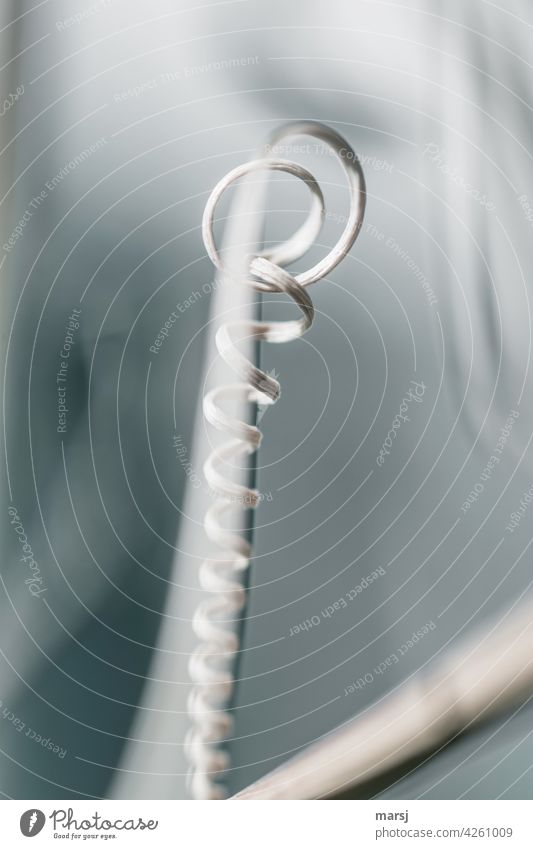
<point>118,119</point>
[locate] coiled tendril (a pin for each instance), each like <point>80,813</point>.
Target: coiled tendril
<point>222,575</point>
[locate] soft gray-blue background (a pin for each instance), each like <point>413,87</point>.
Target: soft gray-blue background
<point>435,97</point>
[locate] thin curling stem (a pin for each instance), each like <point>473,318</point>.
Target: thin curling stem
<point>222,574</point>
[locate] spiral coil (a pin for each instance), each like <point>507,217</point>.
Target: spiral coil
<point>223,574</point>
